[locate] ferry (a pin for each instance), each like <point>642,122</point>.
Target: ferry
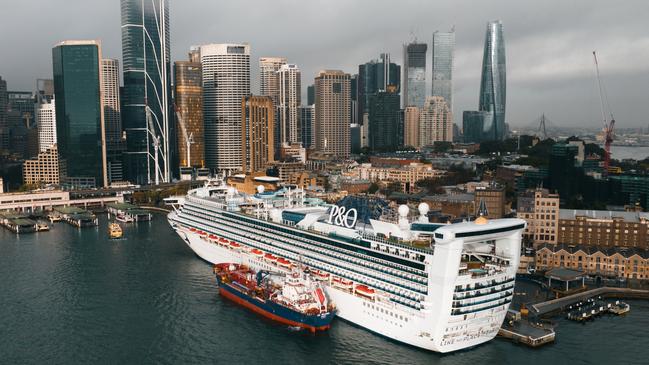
<point>115,231</point>
<point>292,299</point>
<point>438,287</point>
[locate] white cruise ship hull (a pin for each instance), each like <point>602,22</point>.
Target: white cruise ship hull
<point>432,327</point>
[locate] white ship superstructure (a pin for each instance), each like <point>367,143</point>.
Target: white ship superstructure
<point>438,287</point>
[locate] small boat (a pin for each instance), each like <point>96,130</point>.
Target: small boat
<point>270,257</point>
<point>284,263</point>
<point>42,227</point>
<point>124,218</point>
<point>114,230</point>
<point>234,244</point>
<point>620,308</point>
<point>257,252</point>
<point>293,299</point>
<point>321,275</point>
<point>364,291</point>
<point>342,283</point>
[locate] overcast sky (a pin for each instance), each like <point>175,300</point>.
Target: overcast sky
<point>549,44</point>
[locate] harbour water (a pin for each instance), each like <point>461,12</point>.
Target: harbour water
<point>71,296</point>
<point>632,152</point>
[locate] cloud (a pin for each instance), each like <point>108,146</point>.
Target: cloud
<point>548,43</point>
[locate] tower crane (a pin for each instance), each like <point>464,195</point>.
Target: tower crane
<point>609,126</point>
<point>156,145</point>
<point>189,138</point>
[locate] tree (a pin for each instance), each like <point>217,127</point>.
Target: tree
<point>442,146</point>
<point>374,187</point>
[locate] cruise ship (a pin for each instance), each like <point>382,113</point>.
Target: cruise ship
<point>434,286</point>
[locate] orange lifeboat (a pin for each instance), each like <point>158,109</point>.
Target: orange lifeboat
<point>320,275</point>
<point>213,237</point>
<point>284,263</point>
<point>234,244</point>
<point>257,252</point>
<point>342,283</point>
<point>192,229</point>
<point>270,257</point>
<point>365,291</point>
<point>223,241</point>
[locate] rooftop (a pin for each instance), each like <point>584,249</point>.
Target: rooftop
<point>564,274</point>
<point>602,214</point>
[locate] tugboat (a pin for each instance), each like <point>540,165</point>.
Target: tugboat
<point>293,299</point>
<point>115,231</point>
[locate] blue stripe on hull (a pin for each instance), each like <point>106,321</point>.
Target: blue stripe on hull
<point>281,311</point>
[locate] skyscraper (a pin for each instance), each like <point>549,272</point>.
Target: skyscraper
<point>493,82</point>
<point>112,118</point>
<point>375,76</point>
<point>435,122</point>
<point>80,124</point>
<point>4,127</point>
<point>189,104</point>
<point>269,78</point>
<point>473,123</point>
<point>226,81</point>
<point>310,95</point>
<point>414,74</point>
<point>257,133</point>
<point>332,113</point>
<point>146,103</point>
<point>46,122</point>
<point>384,120</point>
<point>443,50</point>
<point>290,99</point>
<point>411,126</point>
<point>307,127</point>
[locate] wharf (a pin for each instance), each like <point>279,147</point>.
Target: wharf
<point>561,304</point>
<point>77,217</point>
<point>128,212</point>
<point>523,331</point>
<point>17,222</point>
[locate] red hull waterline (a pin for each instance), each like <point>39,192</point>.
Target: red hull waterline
<point>269,315</point>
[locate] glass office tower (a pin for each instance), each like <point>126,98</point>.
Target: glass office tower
<point>147,91</point>
<point>443,57</point>
<point>493,82</point>
<point>373,77</point>
<point>79,112</point>
<point>414,74</point>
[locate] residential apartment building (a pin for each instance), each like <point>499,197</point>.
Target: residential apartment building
<point>540,209</point>
<point>257,133</point>
<point>603,228</point>
<point>618,262</point>
<point>46,168</point>
<point>332,113</point>
<point>494,199</point>
<point>408,176</point>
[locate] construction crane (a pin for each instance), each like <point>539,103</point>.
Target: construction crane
<point>156,145</point>
<point>189,138</point>
<point>609,126</point>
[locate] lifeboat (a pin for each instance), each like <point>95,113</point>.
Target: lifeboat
<point>192,229</point>
<point>202,233</point>
<point>257,252</point>
<point>234,244</point>
<point>341,283</point>
<point>282,262</point>
<point>213,237</point>
<point>223,241</point>
<point>320,275</point>
<point>365,291</point>
<point>270,257</point>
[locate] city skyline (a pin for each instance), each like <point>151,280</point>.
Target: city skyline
<point>549,68</point>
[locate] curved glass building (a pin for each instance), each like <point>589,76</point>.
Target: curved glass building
<point>494,82</point>
<point>147,80</point>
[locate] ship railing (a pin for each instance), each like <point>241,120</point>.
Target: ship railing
<point>457,312</point>
<point>503,295</point>
<point>399,283</point>
<point>398,243</point>
<point>477,286</point>
<point>482,293</point>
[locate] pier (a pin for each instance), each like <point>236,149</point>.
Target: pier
<point>126,212</point>
<point>17,223</point>
<point>561,304</point>
<point>520,330</point>
<point>77,217</point>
